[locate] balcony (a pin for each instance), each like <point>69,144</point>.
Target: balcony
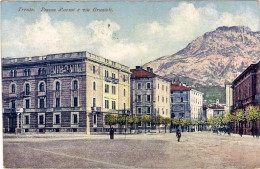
<point>113,80</point>
<point>9,110</point>
<point>108,79</point>
<point>12,95</point>
<point>96,109</point>
<point>41,93</point>
<point>26,94</point>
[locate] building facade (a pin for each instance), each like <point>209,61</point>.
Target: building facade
<point>196,104</point>
<point>186,102</point>
<point>67,92</point>
<point>246,88</point>
<point>215,110</point>
<point>229,98</point>
<point>180,101</point>
<point>246,92</point>
<point>150,94</point>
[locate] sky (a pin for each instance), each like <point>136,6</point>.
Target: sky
<point>131,33</point>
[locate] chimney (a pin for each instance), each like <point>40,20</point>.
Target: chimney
<point>149,69</point>
<point>138,67</point>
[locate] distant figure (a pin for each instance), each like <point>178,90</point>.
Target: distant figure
<point>253,131</point>
<point>178,134</point>
<point>228,131</point>
<point>241,132</point>
<point>257,132</point>
<point>111,133</point>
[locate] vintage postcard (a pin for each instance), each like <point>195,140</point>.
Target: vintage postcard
<point>132,84</point>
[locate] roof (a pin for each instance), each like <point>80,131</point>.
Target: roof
<point>141,73</point>
<point>175,87</point>
<point>252,66</point>
<point>216,106</point>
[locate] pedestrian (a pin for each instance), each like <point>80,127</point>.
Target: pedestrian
<point>241,132</point>
<point>178,134</point>
<point>253,131</point>
<point>111,133</point>
<point>257,132</point>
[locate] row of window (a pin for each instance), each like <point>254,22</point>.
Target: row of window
<point>42,87</point>
<point>107,74</point>
<point>148,98</point>
<point>107,89</point>
<point>56,118</point>
<point>172,100</point>
<point>149,86</point>
<point>42,103</point>
<point>27,72</point>
<point>148,111</point>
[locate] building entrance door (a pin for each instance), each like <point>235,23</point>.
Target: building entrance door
<point>11,123</point>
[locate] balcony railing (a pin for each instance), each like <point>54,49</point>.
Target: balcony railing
<point>26,93</point>
<point>98,109</point>
<point>110,79</point>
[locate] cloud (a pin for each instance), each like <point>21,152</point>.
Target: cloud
<point>186,23</point>
<point>150,40</point>
<point>45,36</point>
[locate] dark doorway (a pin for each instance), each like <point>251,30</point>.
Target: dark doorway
<point>11,123</point>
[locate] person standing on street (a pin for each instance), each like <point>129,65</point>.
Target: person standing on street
<point>111,133</point>
<point>178,134</point>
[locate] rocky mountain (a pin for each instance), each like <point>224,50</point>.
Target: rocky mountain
<point>212,59</point>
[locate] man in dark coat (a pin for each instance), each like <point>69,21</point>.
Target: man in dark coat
<point>257,132</point>
<point>178,134</point>
<point>111,133</point>
<point>241,132</point>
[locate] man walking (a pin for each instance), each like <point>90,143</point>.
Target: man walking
<point>111,133</point>
<point>178,134</point>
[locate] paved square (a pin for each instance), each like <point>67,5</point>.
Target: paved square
<point>196,150</point>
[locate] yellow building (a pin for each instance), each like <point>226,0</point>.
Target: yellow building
<point>107,90</point>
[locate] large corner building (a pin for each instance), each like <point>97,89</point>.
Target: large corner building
<point>67,92</point>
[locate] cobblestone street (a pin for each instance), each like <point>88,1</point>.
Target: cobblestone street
<point>196,150</point>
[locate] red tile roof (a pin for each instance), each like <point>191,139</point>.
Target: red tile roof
<point>214,106</point>
<point>141,73</point>
<point>175,87</point>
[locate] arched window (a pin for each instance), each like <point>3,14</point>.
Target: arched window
<point>124,92</point>
<point>57,86</point>
<point>94,85</point>
<point>41,86</point>
<point>75,85</point>
<point>27,89</point>
<point>13,88</point>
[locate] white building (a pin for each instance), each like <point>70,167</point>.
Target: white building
<point>229,98</point>
<point>196,104</point>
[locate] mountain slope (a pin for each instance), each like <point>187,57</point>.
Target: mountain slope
<point>212,59</point>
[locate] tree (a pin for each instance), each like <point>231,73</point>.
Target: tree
<point>228,118</point>
<point>253,114</point>
<point>166,121</point>
<point>132,120</point>
<point>159,121</point>
<point>146,119</point>
<point>110,119</point>
<point>240,117</point>
<point>176,122</point>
